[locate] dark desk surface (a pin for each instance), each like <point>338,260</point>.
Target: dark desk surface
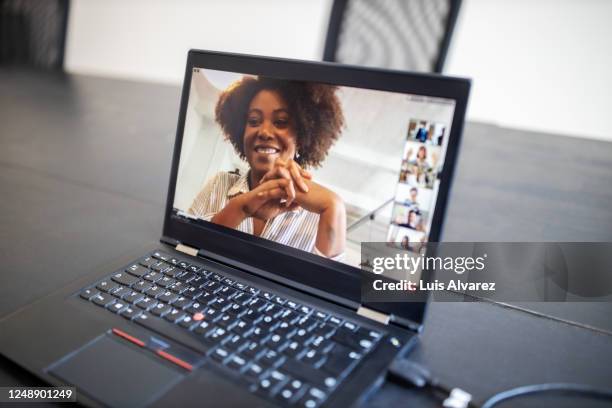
<point>85,164</point>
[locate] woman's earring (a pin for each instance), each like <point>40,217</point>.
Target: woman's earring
<point>297,155</point>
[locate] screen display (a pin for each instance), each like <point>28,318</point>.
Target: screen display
<point>313,166</point>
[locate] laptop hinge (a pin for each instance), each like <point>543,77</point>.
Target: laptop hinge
<point>187,250</point>
<point>373,314</point>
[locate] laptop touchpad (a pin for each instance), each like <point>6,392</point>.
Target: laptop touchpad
<point>115,374</point>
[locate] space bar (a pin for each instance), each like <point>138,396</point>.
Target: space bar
<point>170,331</point>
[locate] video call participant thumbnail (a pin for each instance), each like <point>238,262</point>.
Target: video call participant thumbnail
<point>280,128</point>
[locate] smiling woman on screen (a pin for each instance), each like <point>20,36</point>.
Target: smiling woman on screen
<point>279,128</point>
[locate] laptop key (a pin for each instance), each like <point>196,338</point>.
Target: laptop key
<point>137,270</point>
<point>130,312</point>
<point>241,298</point>
<point>235,342</point>
<point>161,255</point>
<point>290,316</point>
<point>116,307</point>
<point>273,310</point>
<point>154,292</point>
<point>174,315</point>
<point>212,286</point>
<point>217,277</point>
<point>198,281</point>
<point>305,309</point>
<point>195,308</point>
<point>201,328</point>
<point>308,373</point>
<point>160,267</point>
<point>120,291</point>
<point>340,360</point>
<point>217,335</point>
<point>326,330</point>
<point>259,334</point>
<point>227,292</point>
<point>266,295</point>
<point>279,300</point>
<point>293,305</point>
<point>313,357</point>
<point>372,335</point>
<point>254,371</point>
<point>182,302</point>
<point>252,316</point>
<point>313,398</point>
<point>124,278</point>
<point>178,287</point>
<point>287,394</point>
<point>142,286</point>
<point>241,286</point>
<point>172,271</point>
<point>271,358</point>
<point>353,340</point>
<point>272,381</point>
<point>236,310</point>
<point>242,328</point>
<point>227,321</point>
<point>88,293</point>
<point>292,349</point>
<point>165,282</point>
<point>307,323</point>
<point>220,354</point>
<point>193,292</point>
<point>254,349</point>
<point>148,261</point>
<point>194,268</point>
<point>161,309</point>
<point>153,276</point>
<point>302,336</point>
<point>103,299</point>
<point>237,362</point>
<point>336,321</point>
<point>133,297</point>
<point>268,323</point>
<point>146,303</point>
<point>321,315</point>
<point>187,277</point>
<point>211,314</point>
<point>350,326</point>
<point>285,329</point>
<point>167,297</point>
<point>257,304</point>
<point>276,341</point>
<point>106,285</point>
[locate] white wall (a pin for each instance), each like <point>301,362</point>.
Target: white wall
<point>149,39</point>
<point>536,64</point>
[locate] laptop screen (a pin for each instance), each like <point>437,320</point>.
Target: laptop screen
<point>314,166</point>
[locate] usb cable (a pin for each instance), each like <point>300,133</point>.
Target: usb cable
<point>407,373</point>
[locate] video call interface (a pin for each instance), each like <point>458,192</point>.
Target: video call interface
<point>313,166</point>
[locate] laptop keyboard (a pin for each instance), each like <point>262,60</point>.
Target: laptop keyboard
<point>283,349</point>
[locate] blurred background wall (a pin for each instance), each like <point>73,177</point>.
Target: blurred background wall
<point>537,64</point>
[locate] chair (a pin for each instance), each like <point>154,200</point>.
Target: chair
<point>411,35</point>
<point>33,33</point>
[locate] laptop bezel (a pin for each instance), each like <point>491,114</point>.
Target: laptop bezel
<point>299,269</point>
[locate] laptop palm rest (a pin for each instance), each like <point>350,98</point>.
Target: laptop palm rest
<point>116,374</point>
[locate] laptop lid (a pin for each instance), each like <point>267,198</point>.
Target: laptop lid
<point>375,149</point>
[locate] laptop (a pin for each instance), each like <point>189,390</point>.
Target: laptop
<point>281,170</point>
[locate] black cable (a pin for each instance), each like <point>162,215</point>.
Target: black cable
<point>405,372</point>
<point>565,388</point>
